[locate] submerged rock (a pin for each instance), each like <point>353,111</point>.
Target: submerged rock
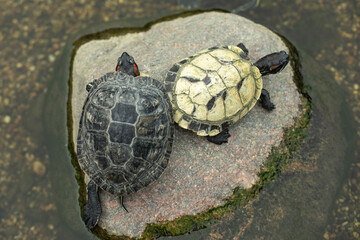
<point>200,175</point>
<point>39,168</point>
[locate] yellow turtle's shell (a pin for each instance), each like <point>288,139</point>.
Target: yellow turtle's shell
<point>213,89</point>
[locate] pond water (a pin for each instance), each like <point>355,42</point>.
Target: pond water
<point>316,195</point>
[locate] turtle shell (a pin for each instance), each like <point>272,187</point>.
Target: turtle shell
<point>213,89</point>
<point>126,132</point>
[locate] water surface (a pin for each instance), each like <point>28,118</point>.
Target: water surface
<point>315,197</point>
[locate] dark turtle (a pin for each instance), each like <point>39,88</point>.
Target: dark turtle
<point>216,87</point>
<point>125,134</point>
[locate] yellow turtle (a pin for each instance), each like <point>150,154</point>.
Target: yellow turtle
<point>216,87</point>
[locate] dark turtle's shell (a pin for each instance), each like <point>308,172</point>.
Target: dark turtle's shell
<point>213,89</point>
<point>125,133</point>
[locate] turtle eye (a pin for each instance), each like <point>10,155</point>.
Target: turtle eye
<point>131,60</point>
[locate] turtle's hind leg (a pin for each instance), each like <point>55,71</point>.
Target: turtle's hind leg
<point>92,209</point>
<point>265,100</point>
<point>221,138</point>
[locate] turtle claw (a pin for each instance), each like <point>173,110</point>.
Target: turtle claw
<point>89,220</point>
<point>220,138</point>
<point>269,106</point>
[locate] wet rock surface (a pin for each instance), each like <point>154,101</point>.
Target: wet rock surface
<point>200,175</point>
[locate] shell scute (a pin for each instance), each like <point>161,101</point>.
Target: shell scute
<point>182,86</point>
<point>185,103</point>
<point>232,102</point>
<point>247,90</point>
<point>217,112</point>
<point>190,71</point>
<point>236,49</point>
<point>117,113</point>
<point>200,113</point>
<point>206,62</point>
<point>105,98</point>
<point>118,154</point>
<point>96,118</point>
<point>229,74</point>
<point>255,72</point>
<point>243,67</point>
<point>216,84</point>
<point>225,55</point>
<point>199,93</point>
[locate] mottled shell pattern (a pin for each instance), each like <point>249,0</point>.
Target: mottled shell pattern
<point>213,89</point>
<point>126,132</point>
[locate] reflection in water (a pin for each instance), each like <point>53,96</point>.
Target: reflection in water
<point>37,185</point>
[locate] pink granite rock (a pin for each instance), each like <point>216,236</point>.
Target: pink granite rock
<point>200,175</point>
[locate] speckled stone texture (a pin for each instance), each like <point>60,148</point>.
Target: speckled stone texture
<point>200,175</point>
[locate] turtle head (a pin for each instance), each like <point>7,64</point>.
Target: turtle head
<point>126,64</point>
<point>272,63</point>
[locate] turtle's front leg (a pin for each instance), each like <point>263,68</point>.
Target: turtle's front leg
<point>92,209</point>
<point>221,138</point>
<point>265,100</point>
